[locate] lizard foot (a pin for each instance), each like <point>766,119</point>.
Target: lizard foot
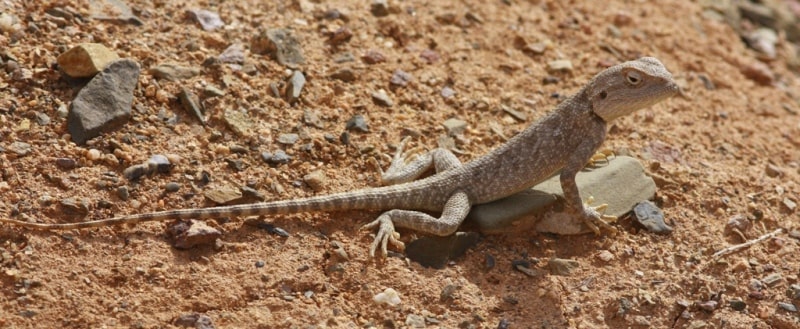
<point>596,219</point>
<point>603,155</point>
<point>398,171</point>
<point>385,234</point>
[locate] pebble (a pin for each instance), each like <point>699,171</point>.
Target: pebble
<point>788,307</point>
<point>20,148</point>
<point>400,78</point>
<point>373,57</point>
<point>316,180</point>
<point>173,72</point>
<point>279,157</point>
<point>42,119</point>
<point>159,163</point>
<point>708,306</point>
<point>191,104</point>
<point>564,267</point>
<point>773,171</point>
<point>559,65</point>
<point>93,155</point>
<point>192,233</point>
<point>211,91</point>
<point>239,121</point>
<point>789,204</point>
<point>448,92</point>
<point>114,11</point>
<point>388,296</point>
<point>279,44</point>
<point>223,195</point>
<point>381,98</point>
<point>651,217</point>
<point>288,139</point>
<point>233,54</point>
<point>437,251</point>
<point>208,20</point>
<point>344,74</point>
<point>85,60</point>
<point>66,163</point>
<point>379,8</point>
<point>172,187</point>
<point>123,193</point>
<point>75,207</point>
<point>430,56</point>
<point>454,126</point>
<point>415,321</point>
<point>772,280</point>
<point>235,164</point>
<point>340,36</point>
<point>9,23</point>
<point>311,117</point>
<point>357,123</point>
<point>758,72</point>
<point>104,104</point>
<point>260,264</point>
<point>737,304</point>
<point>195,320</point>
<point>136,171</point>
<point>296,83</point>
<point>605,256</point>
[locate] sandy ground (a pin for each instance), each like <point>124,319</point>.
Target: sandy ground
<point>708,152</point>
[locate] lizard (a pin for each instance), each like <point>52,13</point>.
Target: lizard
<point>563,140</point>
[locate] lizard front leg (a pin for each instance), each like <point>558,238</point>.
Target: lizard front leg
<point>593,217</point>
<point>455,211</point>
<point>407,166</point>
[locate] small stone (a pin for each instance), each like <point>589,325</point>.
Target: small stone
<point>794,292</point>
<point>563,267</point>
<point>559,65</point>
<point>208,20</point>
<point>75,207</point>
<point>279,157</point>
<point>316,180</point>
<point>223,195</point>
<point>430,56</point>
<point>772,280</point>
<point>233,54</point>
<point>788,307</point>
<point>379,8</point>
<point>454,126</point>
<point>173,72</point>
<point>357,123</point>
<point>340,36</point>
<point>448,92</point>
<point>758,72</point>
<point>93,155</point>
<point>381,98</point>
<point>123,193</point>
<point>85,60</point>
<point>737,305</point>
<point>136,171</point>
<point>415,321</point>
<point>311,117</point>
<point>235,164</point>
<point>9,23</point>
<point>239,122</point>
<point>288,139</point>
<point>20,148</point>
<point>400,78</point>
<point>773,171</point>
<point>605,256</point>
<point>159,163</point>
<point>211,91</point>
<point>789,204</point>
<point>373,57</point>
<point>344,74</point>
<point>42,119</point>
<point>296,83</point>
<point>172,187</point>
<point>192,233</point>
<point>708,306</point>
<point>763,40</point>
<point>260,264</point>
<point>281,45</point>
<point>66,163</point>
<point>191,104</point>
<point>651,217</point>
<point>388,296</point>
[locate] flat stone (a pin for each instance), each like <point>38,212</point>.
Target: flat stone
<point>381,98</point>
<point>281,45</point>
<point>239,122</point>
<point>208,20</point>
<point>114,11</point>
<point>85,60</point>
<point>191,104</point>
<point>357,123</point>
<point>436,251</point>
<point>173,72</point>
<point>621,184</point>
<point>104,104</point>
<point>652,218</point>
<point>559,65</point>
<point>316,180</point>
<point>562,267</point>
<point>224,195</point>
<point>233,54</point>
<point>454,126</point>
<point>193,233</point>
<point>296,83</point>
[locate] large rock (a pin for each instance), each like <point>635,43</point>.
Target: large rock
<point>621,184</point>
<point>104,104</point>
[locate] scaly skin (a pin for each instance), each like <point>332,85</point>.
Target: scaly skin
<point>564,140</point>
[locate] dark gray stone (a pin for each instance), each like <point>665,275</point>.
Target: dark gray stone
<point>652,218</point>
<point>104,104</point>
<point>436,251</point>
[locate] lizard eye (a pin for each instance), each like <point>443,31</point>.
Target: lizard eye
<point>633,77</point>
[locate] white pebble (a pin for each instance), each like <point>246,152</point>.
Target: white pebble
<point>388,296</point>
<point>93,154</point>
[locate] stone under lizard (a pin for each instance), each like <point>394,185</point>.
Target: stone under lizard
<point>563,140</point>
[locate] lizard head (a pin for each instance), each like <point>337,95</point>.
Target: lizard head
<point>630,86</point>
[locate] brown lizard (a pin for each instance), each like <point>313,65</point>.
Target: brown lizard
<point>565,140</point>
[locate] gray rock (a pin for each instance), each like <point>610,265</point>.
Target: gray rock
<point>563,267</point>
<point>74,207</point>
<point>288,139</point>
<point>195,320</point>
<point>172,187</point>
<point>281,45</point>
<point>279,157</point>
<point>436,251</point>
<point>358,123</point>
<point>621,184</point>
<point>20,148</point>
<point>788,307</point>
<point>208,20</point>
<point>652,218</point>
<point>296,83</point>
<point>400,78</point>
<point>224,195</point>
<point>136,171</point>
<point>191,104</point>
<point>119,13</point>
<point>454,126</point>
<point>380,8</point>
<point>159,163</point>
<point>233,54</point>
<point>173,72</point>
<point>104,104</point>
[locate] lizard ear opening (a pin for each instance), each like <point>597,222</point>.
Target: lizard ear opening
<point>603,94</point>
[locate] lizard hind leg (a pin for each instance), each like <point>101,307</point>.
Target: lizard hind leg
<point>595,217</point>
<point>455,211</point>
<point>409,165</point>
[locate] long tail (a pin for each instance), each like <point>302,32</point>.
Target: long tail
<point>373,198</point>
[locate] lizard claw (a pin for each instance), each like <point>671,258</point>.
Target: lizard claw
<point>385,234</point>
<point>595,218</point>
